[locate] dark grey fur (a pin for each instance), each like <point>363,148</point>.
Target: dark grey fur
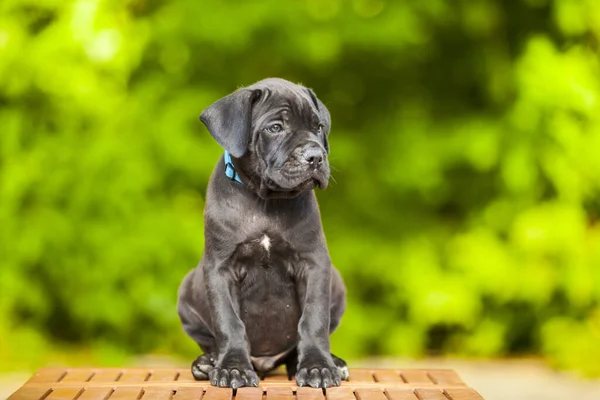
<point>265,292</point>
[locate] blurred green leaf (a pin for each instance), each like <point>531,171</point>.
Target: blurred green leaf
<point>464,215</point>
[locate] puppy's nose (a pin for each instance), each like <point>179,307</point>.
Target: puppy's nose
<point>313,156</point>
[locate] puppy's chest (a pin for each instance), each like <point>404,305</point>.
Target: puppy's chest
<point>264,240</point>
<point>266,250</point>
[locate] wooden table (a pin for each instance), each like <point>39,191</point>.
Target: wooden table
<point>178,384</point>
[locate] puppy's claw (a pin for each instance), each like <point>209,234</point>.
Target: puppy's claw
<point>236,379</point>
<point>253,377</point>
<point>315,378</point>
<point>301,377</point>
<point>224,378</point>
<point>326,378</point>
<point>213,377</point>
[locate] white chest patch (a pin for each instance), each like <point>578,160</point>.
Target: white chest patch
<point>265,242</point>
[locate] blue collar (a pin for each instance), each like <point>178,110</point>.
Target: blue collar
<point>230,171</point>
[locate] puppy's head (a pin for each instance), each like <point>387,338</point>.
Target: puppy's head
<point>277,132</point>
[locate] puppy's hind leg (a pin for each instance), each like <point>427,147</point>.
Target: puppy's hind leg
<point>196,327</point>
<point>202,366</point>
<point>341,366</point>
<point>291,364</point>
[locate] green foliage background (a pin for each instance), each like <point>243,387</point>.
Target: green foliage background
<point>465,141</point>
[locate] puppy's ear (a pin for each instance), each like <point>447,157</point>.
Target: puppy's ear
<point>324,116</point>
<point>229,120</point>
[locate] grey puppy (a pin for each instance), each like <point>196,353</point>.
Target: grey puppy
<point>265,292</point>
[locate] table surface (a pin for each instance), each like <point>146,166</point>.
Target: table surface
<point>178,384</point>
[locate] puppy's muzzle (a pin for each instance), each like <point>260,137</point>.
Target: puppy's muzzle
<point>313,156</point>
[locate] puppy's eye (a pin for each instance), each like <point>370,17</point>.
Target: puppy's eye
<point>321,127</point>
<point>275,128</point>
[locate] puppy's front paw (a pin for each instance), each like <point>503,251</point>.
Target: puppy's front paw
<point>233,376</point>
<point>318,374</point>
<point>233,369</point>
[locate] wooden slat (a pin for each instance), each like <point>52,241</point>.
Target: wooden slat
<point>339,393</point>
<point>126,393</point>
<point>401,394</point>
<point>47,375</point>
<point>137,376</point>
<point>185,376</point>
<point>430,394</point>
<point>178,384</point>
<point>262,384</point>
<point>188,393</point>
<point>215,393</point>
<point>361,375</point>
<point>249,393</point>
<point>369,394</point>
<point>415,376</point>
<point>157,393</point>
<point>95,394</point>
<point>445,377</point>
<point>463,394</point>
<point>387,375</point>
<point>105,375</point>
<point>29,393</point>
<point>77,375</point>
<point>64,393</point>
<point>163,376</point>
<point>276,378</point>
<point>308,393</point>
<point>279,393</point>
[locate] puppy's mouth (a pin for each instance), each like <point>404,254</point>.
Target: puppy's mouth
<point>308,184</point>
<point>292,187</point>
